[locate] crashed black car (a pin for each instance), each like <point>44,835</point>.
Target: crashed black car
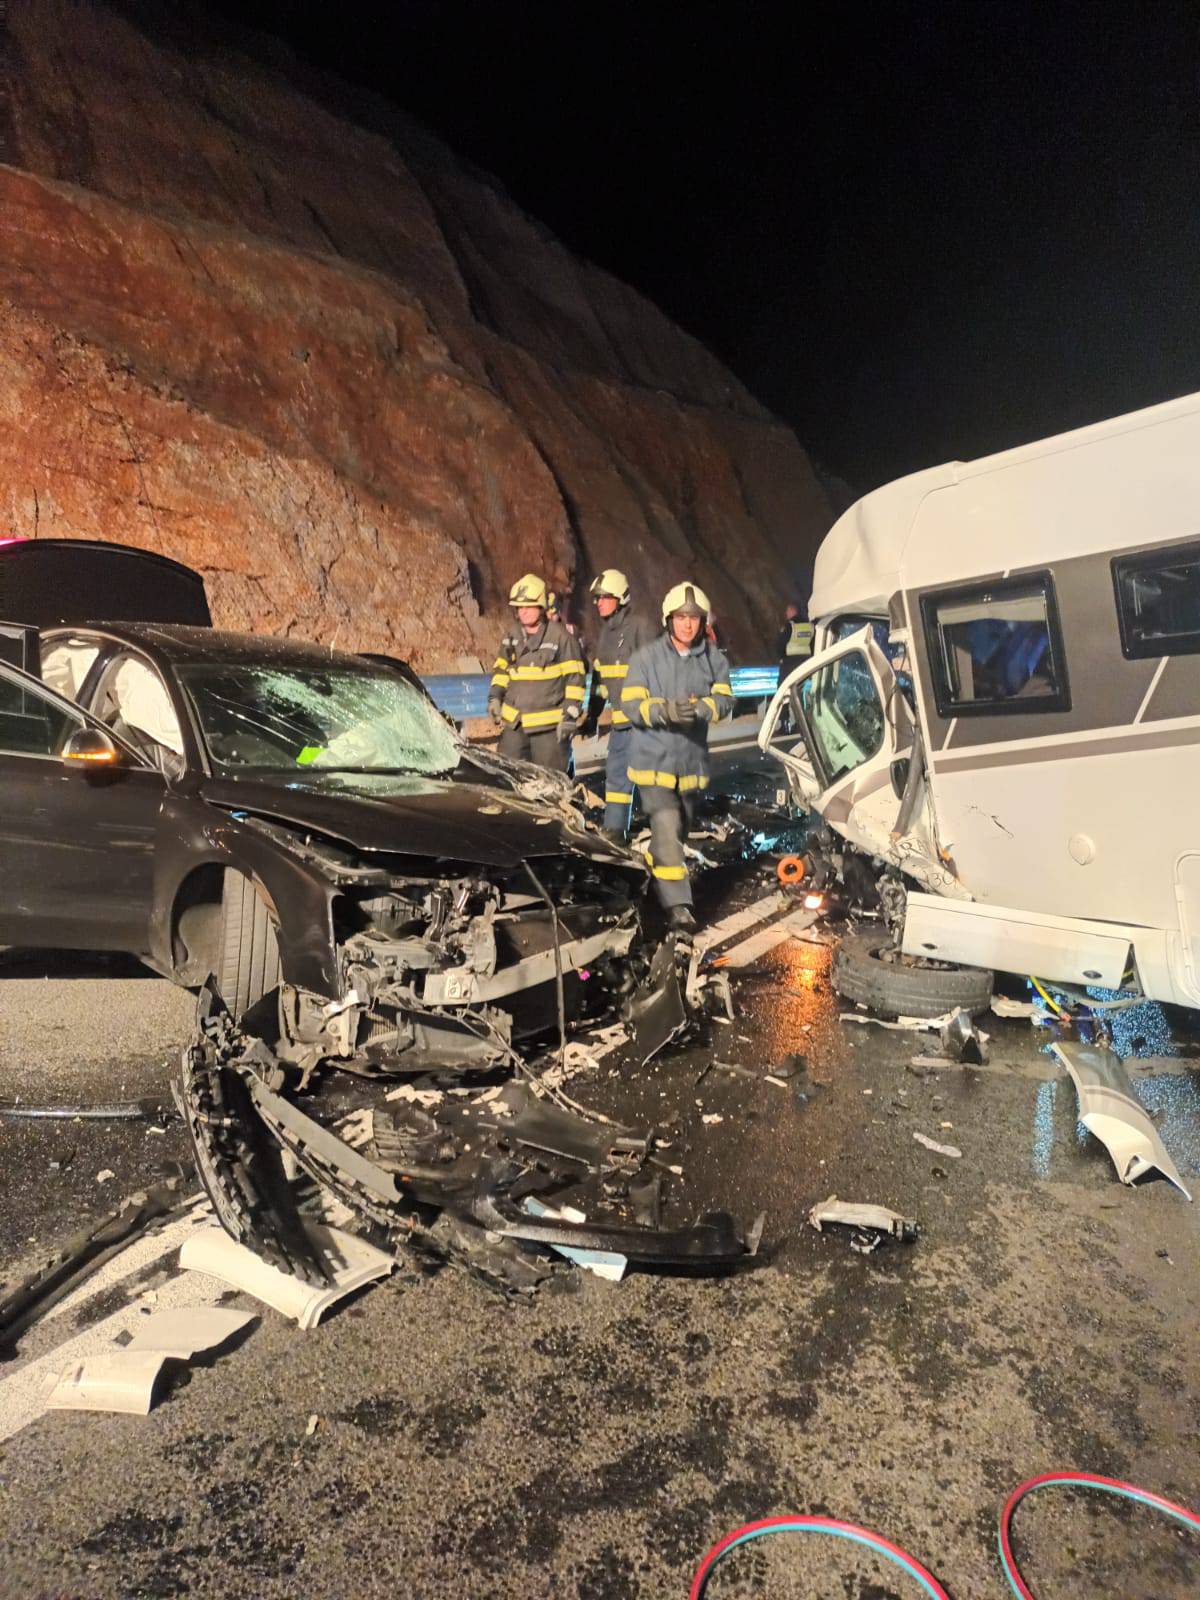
<point>359,888</point>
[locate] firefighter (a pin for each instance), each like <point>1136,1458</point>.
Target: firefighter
<point>675,687</point>
<point>621,633</point>
<point>536,692</point>
<point>795,641</point>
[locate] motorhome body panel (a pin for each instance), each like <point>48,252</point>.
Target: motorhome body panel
<point>1064,950</point>
<point>1076,800</point>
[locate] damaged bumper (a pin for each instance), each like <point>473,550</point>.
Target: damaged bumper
<point>470,1179</point>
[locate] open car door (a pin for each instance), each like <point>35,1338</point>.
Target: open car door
<point>861,745</point>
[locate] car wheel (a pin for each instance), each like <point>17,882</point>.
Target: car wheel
<point>248,963</point>
<point>903,988</point>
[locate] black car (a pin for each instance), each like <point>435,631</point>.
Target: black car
<point>300,832</point>
<point>277,813</point>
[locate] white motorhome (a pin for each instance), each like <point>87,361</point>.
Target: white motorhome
<point>1003,708</point>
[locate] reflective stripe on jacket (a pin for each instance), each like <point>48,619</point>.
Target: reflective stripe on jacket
<point>674,758</point>
<point>799,639</point>
<point>536,675</point>
<point>620,636</point>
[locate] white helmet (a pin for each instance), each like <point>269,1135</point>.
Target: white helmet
<point>613,583</point>
<point>687,597</point>
<point>528,591</point>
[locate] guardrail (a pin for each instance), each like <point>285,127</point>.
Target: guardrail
<point>463,696</point>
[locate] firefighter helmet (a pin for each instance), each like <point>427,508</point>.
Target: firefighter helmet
<point>528,591</point>
<point>612,583</point>
<point>687,597</point>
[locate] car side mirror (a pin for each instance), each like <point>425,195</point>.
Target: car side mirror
<point>89,747</point>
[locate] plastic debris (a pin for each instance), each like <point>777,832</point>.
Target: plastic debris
<point>938,1149</point>
<point>350,1261</point>
<point>126,1380</point>
<point>1109,1109</point>
<point>871,1225</point>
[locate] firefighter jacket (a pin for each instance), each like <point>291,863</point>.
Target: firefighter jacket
<point>620,635</point>
<point>672,757</point>
<point>536,675</point>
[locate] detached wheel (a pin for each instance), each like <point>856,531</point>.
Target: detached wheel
<point>248,965</point>
<point>902,989</point>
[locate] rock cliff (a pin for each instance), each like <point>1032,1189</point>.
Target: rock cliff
<point>280,333</point>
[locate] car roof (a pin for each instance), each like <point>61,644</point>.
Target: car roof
<point>181,645</point>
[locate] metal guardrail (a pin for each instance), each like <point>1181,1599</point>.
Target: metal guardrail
<point>464,695</point>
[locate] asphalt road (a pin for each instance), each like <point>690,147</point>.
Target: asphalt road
<point>593,1443</point>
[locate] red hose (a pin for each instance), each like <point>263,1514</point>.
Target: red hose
<point>1084,1480</point>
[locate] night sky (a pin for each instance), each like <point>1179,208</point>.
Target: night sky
<point>917,232</point>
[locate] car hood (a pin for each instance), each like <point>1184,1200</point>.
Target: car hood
<point>407,814</point>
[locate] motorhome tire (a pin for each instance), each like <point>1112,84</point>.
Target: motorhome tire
<point>898,989</point>
<point>249,954</point>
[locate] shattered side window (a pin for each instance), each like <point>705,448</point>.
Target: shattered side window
<point>31,725</point>
<point>996,647</point>
<point>266,718</point>
<point>843,714</point>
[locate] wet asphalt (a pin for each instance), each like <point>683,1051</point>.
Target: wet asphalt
<point>593,1442</point>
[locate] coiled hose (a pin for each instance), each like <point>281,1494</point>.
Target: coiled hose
<point>909,1564</point>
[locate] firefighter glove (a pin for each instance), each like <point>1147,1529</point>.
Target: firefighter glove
<point>681,713</point>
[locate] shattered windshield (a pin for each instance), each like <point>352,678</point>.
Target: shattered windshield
<point>268,719</point>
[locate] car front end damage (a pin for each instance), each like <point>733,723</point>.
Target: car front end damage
<point>411,1087</point>
<point>507,1180</point>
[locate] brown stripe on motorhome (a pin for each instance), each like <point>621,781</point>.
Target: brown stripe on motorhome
<point>1130,741</point>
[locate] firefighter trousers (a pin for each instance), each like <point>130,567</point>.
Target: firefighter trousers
<point>543,747</point>
<point>670,814</point>
<point>618,788</point>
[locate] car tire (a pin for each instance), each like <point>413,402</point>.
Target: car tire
<point>248,963</point>
<point>900,990</point>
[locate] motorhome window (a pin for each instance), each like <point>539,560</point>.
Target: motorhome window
<point>842,714</point>
<point>1158,601</point>
<point>996,648</point>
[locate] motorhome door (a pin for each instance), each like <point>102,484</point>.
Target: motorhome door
<point>858,730</point>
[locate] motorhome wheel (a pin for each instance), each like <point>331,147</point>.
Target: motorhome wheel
<point>902,987</point>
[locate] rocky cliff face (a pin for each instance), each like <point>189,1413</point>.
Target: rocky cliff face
<point>342,375</point>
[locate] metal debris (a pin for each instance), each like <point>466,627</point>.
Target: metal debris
<point>963,1041</point>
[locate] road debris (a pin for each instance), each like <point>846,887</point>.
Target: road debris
<point>963,1041</point>
<point>349,1263</point>
<point>126,1379</point>
<point>118,1111</point>
<point>1002,1006</point>
<point>870,1225</point>
<point>84,1253</point>
<point>901,1024</point>
<point>938,1149</point>
<point>105,1174</point>
<point>1110,1110</point>
<point>446,1180</point>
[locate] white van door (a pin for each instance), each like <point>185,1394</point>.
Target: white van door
<point>858,731</point>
